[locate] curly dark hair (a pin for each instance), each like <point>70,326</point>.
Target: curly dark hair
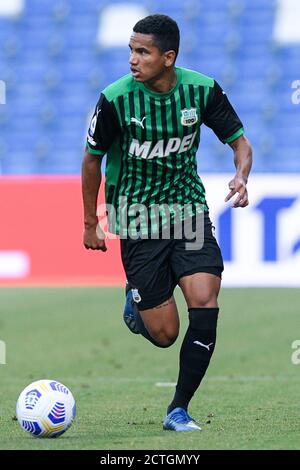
<point>164,30</point>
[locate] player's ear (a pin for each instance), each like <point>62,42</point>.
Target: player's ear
<point>170,57</point>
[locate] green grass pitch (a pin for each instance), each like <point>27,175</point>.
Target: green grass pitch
<point>249,398</point>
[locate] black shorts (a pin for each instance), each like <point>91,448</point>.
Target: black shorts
<point>154,267</point>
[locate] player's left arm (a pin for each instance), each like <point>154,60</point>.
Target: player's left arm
<point>221,117</point>
<point>243,162</point>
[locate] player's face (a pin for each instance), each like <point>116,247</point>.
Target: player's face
<point>147,62</point>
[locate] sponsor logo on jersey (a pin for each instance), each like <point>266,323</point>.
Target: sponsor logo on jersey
<point>94,122</point>
<point>91,140</point>
<point>137,122</point>
<point>161,148</point>
<point>189,117</point>
<point>93,126</point>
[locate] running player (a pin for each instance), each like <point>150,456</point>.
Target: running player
<point>148,123</point>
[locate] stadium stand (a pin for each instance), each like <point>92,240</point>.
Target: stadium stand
<point>54,64</point>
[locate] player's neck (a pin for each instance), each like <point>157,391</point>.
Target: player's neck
<point>164,83</point>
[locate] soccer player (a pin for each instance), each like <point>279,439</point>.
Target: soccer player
<point>148,123</point>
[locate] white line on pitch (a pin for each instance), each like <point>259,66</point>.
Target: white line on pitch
<point>146,380</point>
<point>249,378</point>
<point>165,384</point>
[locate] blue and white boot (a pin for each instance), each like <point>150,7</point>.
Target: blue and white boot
<point>130,309</point>
<point>179,420</point>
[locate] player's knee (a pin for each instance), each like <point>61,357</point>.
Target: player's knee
<point>164,339</point>
<point>204,299</point>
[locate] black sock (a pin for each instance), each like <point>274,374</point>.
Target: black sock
<point>195,354</point>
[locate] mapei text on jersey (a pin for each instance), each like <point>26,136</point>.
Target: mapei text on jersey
<point>161,148</point>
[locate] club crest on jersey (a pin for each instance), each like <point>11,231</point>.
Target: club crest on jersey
<point>189,117</point>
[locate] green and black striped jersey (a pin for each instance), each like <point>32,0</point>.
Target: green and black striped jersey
<point>151,140</point>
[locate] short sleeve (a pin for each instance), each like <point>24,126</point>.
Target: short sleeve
<point>220,116</point>
<point>104,127</point>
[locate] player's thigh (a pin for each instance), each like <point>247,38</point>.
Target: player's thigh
<point>200,289</point>
<point>198,271</point>
<point>162,320</point>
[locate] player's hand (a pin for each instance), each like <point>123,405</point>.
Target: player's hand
<point>94,238</point>
<point>238,185</point>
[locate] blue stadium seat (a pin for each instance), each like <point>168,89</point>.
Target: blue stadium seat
<point>55,70</point>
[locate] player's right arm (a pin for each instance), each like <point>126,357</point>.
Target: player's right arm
<point>103,130</point>
<point>93,236</point>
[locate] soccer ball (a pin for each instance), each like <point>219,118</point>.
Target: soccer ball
<point>46,408</point>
